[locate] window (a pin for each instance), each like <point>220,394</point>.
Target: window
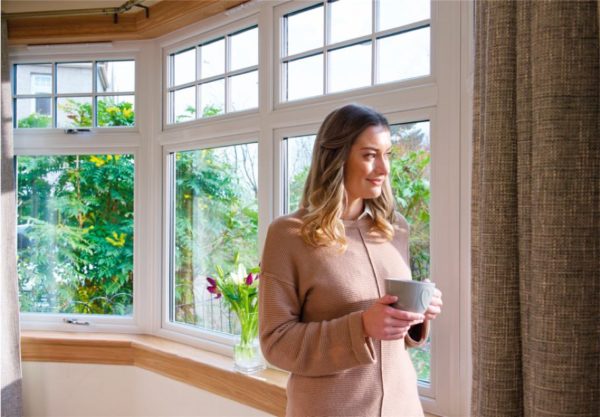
<point>214,220</point>
<point>224,164</point>
<point>75,233</point>
<point>410,178</point>
<point>342,45</point>
<point>74,94</point>
<point>215,77</point>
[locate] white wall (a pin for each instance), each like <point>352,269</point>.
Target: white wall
<point>65,389</point>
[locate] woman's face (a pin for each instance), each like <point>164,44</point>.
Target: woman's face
<point>368,164</point>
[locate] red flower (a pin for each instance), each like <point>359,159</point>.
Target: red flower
<point>212,288</point>
<point>249,279</point>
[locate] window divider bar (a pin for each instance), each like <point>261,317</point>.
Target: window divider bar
<point>94,91</point>
<point>374,65</point>
<point>421,24</point>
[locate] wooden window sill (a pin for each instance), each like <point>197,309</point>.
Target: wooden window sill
<point>206,370</point>
<point>209,371</point>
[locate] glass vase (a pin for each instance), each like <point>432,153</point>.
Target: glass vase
<point>246,353</point>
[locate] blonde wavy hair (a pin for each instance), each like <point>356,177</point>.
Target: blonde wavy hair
<point>324,193</point>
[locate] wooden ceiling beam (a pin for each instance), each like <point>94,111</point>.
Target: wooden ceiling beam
<point>165,17</point>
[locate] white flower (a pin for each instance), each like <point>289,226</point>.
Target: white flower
<point>239,277</point>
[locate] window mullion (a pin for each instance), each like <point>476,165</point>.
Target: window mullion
<point>374,20</point>
<point>54,95</point>
<point>226,75</point>
<point>326,23</point>
<point>94,90</point>
<point>197,82</point>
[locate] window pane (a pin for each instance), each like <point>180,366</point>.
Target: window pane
<point>394,13</point>
<point>413,46</point>
<point>74,77</point>
<point>244,91</point>
<point>305,77</point>
<point>34,79</point>
<point>75,234</point>
<point>216,216</point>
<point>34,112</point>
<point>184,104</point>
<point>349,19</point>
<point>212,59</point>
<point>299,154</point>
<point>304,30</point>
<point>115,76</point>
<point>184,67</point>
<point>410,179</point>
<point>74,112</point>
<point>212,98</point>
<point>350,67</point>
<point>116,111</point>
<point>244,49</point>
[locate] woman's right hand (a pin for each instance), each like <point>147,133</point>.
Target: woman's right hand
<point>384,322</point>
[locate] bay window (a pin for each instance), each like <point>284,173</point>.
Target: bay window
<point>125,225</point>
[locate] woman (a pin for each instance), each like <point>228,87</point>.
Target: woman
<point>323,312</point>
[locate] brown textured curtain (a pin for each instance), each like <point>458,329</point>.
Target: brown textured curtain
<point>536,209</point>
<point>9,299</point>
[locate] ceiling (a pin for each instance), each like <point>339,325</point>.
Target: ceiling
<point>100,23</point>
<point>26,6</point>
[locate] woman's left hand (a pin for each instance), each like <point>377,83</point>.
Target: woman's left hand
<point>435,306</point>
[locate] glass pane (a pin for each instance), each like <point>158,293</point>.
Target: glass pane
<point>305,77</point>
<point>212,98</point>
<point>115,76</point>
<point>216,217</point>
<point>394,13</point>
<point>304,30</point>
<point>75,77</point>
<point>349,19</point>
<point>350,67</point>
<point>244,91</point>
<point>184,104</point>
<point>74,112</point>
<point>184,67</point>
<point>116,111</point>
<point>212,59</point>
<point>34,112</point>
<point>410,179</point>
<point>244,49</point>
<point>34,79</point>
<point>75,234</point>
<point>413,46</point>
<point>299,154</point>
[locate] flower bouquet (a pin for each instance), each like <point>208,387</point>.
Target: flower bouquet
<point>239,289</point>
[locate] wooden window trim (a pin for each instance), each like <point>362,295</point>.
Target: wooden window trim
<point>205,370</point>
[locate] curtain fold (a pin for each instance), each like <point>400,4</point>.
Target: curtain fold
<point>9,298</point>
<point>536,209</point>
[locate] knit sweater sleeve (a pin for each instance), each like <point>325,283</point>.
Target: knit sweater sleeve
<point>304,348</point>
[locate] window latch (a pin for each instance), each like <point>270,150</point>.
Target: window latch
<point>77,322</point>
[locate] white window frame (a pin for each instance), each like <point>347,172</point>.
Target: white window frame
<point>109,140</point>
<point>54,96</point>
<point>436,98</point>
<point>187,333</point>
<point>195,42</point>
<point>96,322</point>
<point>438,222</point>
<point>278,64</point>
<point>443,98</point>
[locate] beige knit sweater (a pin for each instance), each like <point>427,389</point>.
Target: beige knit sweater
<point>311,300</point>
